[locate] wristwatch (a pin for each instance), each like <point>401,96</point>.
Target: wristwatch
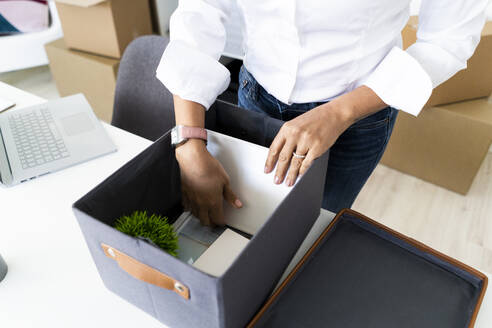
<point>180,134</point>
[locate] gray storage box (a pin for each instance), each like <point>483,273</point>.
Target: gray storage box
<point>151,182</point>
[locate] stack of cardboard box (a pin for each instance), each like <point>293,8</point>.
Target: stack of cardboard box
<point>96,32</point>
<point>448,141</point>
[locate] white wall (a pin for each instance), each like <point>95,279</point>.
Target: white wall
<point>164,10</point>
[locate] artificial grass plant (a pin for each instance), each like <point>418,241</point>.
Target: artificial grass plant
<point>154,228</point>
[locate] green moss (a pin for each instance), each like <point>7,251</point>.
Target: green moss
<point>154,228</point>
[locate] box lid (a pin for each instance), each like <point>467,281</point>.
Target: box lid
<point>362,274</point>
<point>81,3</point>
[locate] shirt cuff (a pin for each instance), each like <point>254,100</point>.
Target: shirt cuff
<point>191,74</point>
<point>401,82</point>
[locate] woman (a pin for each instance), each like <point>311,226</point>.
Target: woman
<point>333,70</point>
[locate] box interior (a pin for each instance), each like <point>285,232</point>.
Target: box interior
<point>359,268</point>
<point>153,186</point>
<point>243,161</point>
<point>156,190</point>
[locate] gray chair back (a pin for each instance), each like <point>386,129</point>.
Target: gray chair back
<point>142,105</point>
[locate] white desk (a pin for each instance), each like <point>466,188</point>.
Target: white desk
<point>52,280</point>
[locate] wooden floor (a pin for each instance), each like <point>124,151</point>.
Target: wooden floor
<point>460,226</point>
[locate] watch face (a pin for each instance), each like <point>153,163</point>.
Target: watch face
<point>174,136</point>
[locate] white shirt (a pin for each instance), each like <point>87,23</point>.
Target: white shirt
<point>315,50</point>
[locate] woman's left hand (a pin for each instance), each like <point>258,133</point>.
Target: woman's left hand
<point>310,135</point>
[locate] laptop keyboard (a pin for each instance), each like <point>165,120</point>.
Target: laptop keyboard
<point>37,138</point>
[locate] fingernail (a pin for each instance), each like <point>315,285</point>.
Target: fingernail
<point>276,180</point>
<point>288,182</point>
<point>266,169</point>
<point>238,203</point>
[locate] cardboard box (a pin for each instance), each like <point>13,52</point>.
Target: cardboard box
<point>76,71</point>
<point>473,82</point>
<point>444,145</point>
<point>103,27</point>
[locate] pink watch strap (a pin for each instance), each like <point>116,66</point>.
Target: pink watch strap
<point>190,132</point>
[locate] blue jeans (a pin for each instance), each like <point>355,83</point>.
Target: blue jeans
<point>354,155</point>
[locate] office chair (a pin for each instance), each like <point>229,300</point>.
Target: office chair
<point>142,105</point>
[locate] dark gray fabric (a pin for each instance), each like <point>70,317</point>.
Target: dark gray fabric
<point>465,275</point>
<point>271,249</point>
<point>232,120</point>
<point>151,182</point>
<point>358,277</point>
<point>142,105</point>
<point>3,268</point>
<point>153,176</point>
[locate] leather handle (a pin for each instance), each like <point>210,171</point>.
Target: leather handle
<point>144,272</point>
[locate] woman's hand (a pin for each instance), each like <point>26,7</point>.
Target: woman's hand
<point>310,135</point>
<point>204,183</point>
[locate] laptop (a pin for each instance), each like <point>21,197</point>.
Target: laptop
<point>48,137</point>
<point>5,104</point>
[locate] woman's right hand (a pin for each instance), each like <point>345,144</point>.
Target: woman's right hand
<point>204,183</point>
